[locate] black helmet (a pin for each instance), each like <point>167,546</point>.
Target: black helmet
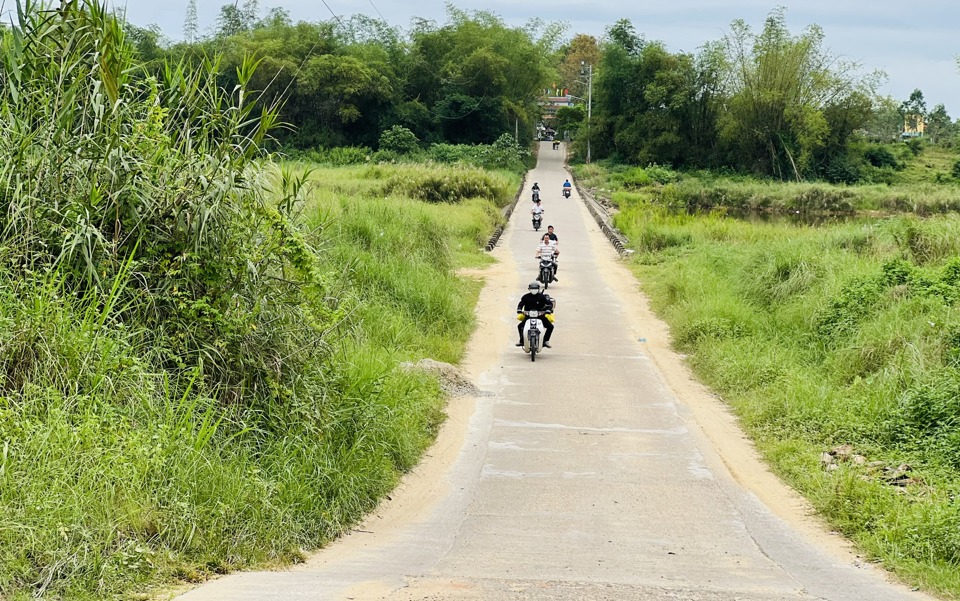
<point>534,286</point>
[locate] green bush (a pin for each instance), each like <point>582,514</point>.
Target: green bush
<point>928,417</point>
<point>915,146</point>
<point>400,140</point>
<point>504,153</point>
<point>879,155</point>
<point>662,174</point>
<point>450,185</point>
<point>635,178</point>
<point>337,156</point>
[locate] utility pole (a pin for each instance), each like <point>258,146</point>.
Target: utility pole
<point>587,70</point>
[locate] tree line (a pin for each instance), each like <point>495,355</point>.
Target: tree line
<point>770,102</point>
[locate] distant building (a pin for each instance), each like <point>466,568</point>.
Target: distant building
<point>913,126</point>
<point>550,104</point>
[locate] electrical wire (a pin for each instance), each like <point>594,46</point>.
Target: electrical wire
<point>377,10</point>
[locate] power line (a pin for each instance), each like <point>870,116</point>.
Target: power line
<point>375,8</point>
<point>333,13</point>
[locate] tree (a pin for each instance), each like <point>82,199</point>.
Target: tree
<point>582,49</point>
<point>642,99</point>
<point>939,125</point>
<point>234,19</point>
<point>478,77</point>
<point>781,89</point>
<point>886,120</point>
<point>570,119</point>
<point>913,110</point>
<point>623,34</point>
<point>148,42</point>
<point>190,23</point>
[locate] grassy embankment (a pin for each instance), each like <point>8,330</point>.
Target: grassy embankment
<point>819,337</point>
<point>199,350</point>
<point>921,184</point>
<point>115,477</point>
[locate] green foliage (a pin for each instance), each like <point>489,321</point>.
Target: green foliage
<point>157,195</point>
<point>650,104</point>
<point>337,156</point>
<point>199,358</point>
<point>879,155</point>
<point>399,140</point>
<point>818,336</point>
<point>167,481</point>
<point>928,418</point>
<point>449,185</point>
<point>915,146</point>
<point>503,154</point>
<point>639,177</point>
<point>777,121</point>
<point>478,77</point>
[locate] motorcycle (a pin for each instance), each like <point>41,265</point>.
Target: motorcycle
<point>546,272</point>
<point>535,196</point>
<point>566,192</point>
<point>537,220</point>
<point>533,331</point>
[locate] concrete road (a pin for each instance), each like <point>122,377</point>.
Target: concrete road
<point>594,473</point>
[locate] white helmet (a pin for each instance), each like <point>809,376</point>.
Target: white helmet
<point>534,287</point>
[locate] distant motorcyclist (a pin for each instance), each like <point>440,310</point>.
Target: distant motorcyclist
<point>567,184</point>
<point>537,208</point>
<point>536,214</point>
<point>535,192</point>
<point>535,300</point>
<point>567,187</point>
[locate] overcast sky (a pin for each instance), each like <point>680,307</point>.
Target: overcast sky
<point>915,45</point>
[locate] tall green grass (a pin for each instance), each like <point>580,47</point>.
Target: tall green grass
<point>705,191</point>
<point>198,350</point>
<point>824,336</point>
<point>118,474</point>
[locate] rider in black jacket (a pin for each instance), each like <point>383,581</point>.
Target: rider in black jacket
<point>535,300</point>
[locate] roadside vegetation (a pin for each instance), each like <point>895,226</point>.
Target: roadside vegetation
<point>200,345</point>
<point>923,185</point>
<point>836,344</point>
<point>215,254</point>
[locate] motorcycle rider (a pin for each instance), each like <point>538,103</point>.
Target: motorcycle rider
<point>535,191</point>
<point>549,250</point>
<point>537,208</point>
<point>535,300</point>
<point>567,186</point>
<point>556,243</point>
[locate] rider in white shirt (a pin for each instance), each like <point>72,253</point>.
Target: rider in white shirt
<point>537,208</point>
<point>548,249</point>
